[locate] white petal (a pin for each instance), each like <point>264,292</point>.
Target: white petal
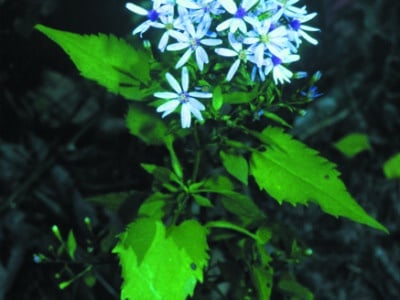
<point>200,94</point>
<point>188,4</point>
<point>185,79</point>
<point>177,46</point>
<point>229,5</point>
<point>166,95</point>
<point>183,60</point>
<point>173,83</point>
<point>225,52</point>
<point>224,25</point>
<point>136,9</point>
<point>196,104</point>
<point>247,4</point>
<point>185,116</point>
<point>196,113</point>
<point>211,42</point>
<point>168,107</point>
<point>163,41</point>
<point>201,57</point>
<point>232,70</point>
<point>308,38</point>
<point>180,37</point>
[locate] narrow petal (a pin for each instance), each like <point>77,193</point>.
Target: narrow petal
<point>166,95</point>
<point>196,104</point>
<point>201,58</point>
<point>136,9</point>
<point>188,4</point>
<point>173,83</point>
<point>179,36</point>
<point>177,46</point>
<point>168,107</point>
<point>224,25</point>
<point>185,79</point>
<point>185,116</point>
<point>196,113</point>
<point>200,94</point>
<point>211,42</point>
<point>225,52</point>
<point>163,41</point>
<point>183,60</point>
<point>232,70</point>
<point>229,5</point>
<point>247,4</point>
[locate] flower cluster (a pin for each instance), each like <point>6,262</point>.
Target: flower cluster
<point>261,35</point>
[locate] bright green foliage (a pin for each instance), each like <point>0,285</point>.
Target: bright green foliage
<point>146,125</point>
<point>276,118</point>
<point>240,97</point>
<point>202,201</point>
<point>391,167</point>
<point>159,262</point>
<point>262,279</point>
<point>106,59</point>
<point>218,98</point>
<point>352,144</point>
<point>294,173</point>
<point>236,165</point>
<point>71,244</point>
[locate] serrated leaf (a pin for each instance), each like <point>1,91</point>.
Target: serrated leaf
<point>161,263</point>
<point>235,165</point>
<point>391,167</point>
<point>294,173</point>
<point>352,144</point>
<point>156,206</point>
<point>106,59</point>
<point>146,125</point>
<point>71,244</point>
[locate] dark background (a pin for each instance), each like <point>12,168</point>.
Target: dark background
<point>63,139</point>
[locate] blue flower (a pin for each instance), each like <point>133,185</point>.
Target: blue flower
<point>239,15</point>
<point>189,104</point>
<point>193,39</point>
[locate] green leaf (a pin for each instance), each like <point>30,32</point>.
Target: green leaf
<point>235,165</point>
<point>202,201</point>
<point>391,168</point>
<point>161,263</point>
<point>295,290</point>
<point>111,201</point>
<point>106,59</point>
<point>217,99</point>
<point>71,244</point>
<point>276,118</point>
<point>146,125</point>
<point>156,206</point>
<point>294,173</point>
<point>240,97</point>
<point>160,173</point>
<point>262,279</point>
<point>352,144</point>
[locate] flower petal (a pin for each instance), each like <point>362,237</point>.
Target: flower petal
<point>200,94</point>
<point>185,116</point>
<point>166,95</point>
<point>136,9</point>
<point>185,79</point>
<point>173,83</point>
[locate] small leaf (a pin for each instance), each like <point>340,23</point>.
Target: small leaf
<point>71,244</point>
<point>64,284</point>
<point>159,262</point>
<point>262,279</point>
<point>228,225</point>
<point>295,290</point>
<point>146,125</point>
<point>276,118</point>
<point>235,165</point>
<point>217,99</point>
<point>108,60</point>
<point>111,201</point>
<point>352,144</point>
<point>90,280</point>
<point>294,173</point>
<point>391,168</point>
<point>202,201</point>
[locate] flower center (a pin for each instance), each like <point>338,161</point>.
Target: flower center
<point>240,13</point>
<point>295,24</point>
<point>194,43</point>
<point>243,55</point>
<point>264,38</point>
<point>169,26</point>
<point>152,15</point>
<point>183,97</point>
<point>276,60</point>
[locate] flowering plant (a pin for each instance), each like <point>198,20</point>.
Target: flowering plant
<point>206,199</point>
